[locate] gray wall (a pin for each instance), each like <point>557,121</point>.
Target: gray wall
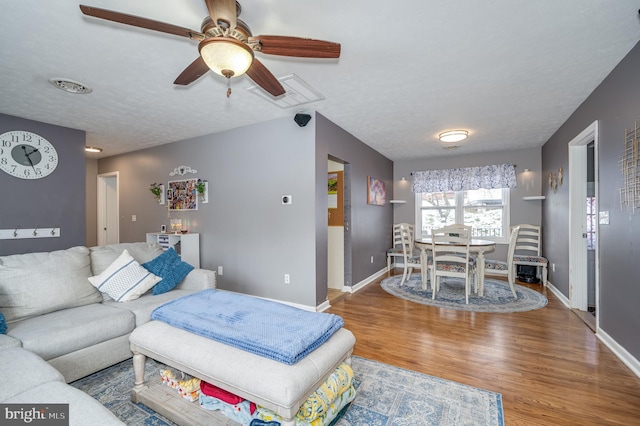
<point>91,224</point>
<point>529,184</point>
<point>244,227</point>
<point>616,106</point>
<point>55,200</point>
<point>370,226</point>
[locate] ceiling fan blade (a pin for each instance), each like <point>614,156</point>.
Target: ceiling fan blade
<point>263,78</point>
<point>296,46</point>
<point>223,10</point>
<point>137,21</point>
<point>193,72</point>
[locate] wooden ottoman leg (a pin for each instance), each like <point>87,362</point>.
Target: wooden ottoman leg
<point>138,371</point>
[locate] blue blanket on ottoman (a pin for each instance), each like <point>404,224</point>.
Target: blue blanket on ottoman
<point>270,329</point>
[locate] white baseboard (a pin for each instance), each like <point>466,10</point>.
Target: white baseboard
<point>351,289</point>
<point>619,351</point>
<point>622,354</point>
<point>558,294</point>
<point>323,306</point>
<point>362,284</point>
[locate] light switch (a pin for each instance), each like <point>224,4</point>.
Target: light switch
<point>604,218</point>
<point>133,218</point>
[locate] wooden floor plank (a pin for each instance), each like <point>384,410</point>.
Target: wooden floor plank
<point>547,364</point>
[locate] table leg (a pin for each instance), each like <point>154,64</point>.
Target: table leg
<point>480,272</point>
<point>423,267</point>
<point>138,372</point>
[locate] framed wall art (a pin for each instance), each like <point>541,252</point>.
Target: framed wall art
<point>182,194</point>
<point>376,192</point>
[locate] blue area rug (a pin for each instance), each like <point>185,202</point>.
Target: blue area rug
<point>385,396</point>
<point>497,295</point>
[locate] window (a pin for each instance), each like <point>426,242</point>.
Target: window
<point>485,210</point>
<point>591,223</point>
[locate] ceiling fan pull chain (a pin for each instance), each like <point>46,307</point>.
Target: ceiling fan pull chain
<point>228,87</point>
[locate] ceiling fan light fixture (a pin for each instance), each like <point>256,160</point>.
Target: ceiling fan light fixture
<point>453,136</point>
<point>226,56</point>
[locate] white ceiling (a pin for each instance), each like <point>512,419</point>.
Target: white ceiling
<point>509,71</point>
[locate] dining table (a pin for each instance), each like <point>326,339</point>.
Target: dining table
<point>476,245</point>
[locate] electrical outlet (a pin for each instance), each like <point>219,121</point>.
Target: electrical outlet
<point>220,270</point>
<point>371,259</point>
<point>134,218</point>
<point>553,267</point>
<point>287,279</point>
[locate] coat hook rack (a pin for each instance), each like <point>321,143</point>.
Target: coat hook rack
<point>18,233</point>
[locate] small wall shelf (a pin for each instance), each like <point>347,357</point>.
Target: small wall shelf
<point>534,197</point>
<point>397,201</point>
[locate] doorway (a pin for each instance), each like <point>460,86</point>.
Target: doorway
<point>108,209</point>
<point>583,241</point>
<point>338,234</point>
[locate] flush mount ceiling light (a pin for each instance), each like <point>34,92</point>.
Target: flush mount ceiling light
<point>92,149</point>
<point>70,86</point>
<point>226,56</point>
<point>453,136</point>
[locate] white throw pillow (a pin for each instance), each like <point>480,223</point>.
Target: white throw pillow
<point>124,279</point>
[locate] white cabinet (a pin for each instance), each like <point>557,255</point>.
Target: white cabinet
<point>186,245</point>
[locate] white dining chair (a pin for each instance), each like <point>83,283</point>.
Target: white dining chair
<point>527,250</point>
<point>450,257</point>
<point>396,250</point>
<point>411,258</point>
<point>501,268</point>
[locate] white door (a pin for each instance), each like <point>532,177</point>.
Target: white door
<point>108,209</point>
<point>578,259</point>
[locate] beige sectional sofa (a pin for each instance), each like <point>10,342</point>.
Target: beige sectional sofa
<point>55,314</point>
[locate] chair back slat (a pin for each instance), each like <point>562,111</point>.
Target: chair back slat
<point>451,245</point>
<point>529,240</point>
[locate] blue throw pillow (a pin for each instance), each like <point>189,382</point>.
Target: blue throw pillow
<point>170,268</point>
<point>3,324</point>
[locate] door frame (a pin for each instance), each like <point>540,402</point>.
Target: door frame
<point>578,264</point>
<point>102,195</point>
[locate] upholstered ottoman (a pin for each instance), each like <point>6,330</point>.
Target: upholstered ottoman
<point>274,385</point>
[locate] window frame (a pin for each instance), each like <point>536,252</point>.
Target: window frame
<point>459,215</point>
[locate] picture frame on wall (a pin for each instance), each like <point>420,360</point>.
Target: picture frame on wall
<point>376,192</point>
<point>182,194</point>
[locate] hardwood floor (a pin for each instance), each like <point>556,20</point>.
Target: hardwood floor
<point>547,364</point>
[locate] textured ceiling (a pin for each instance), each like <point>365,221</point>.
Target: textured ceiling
<point>509,71</point>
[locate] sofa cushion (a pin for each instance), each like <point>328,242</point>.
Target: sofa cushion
<point>83,409</point>
<point>103,256</point>
<point>170,268</point>
<point>38,283</point>
<point>143,306</point>
<point>69,330</point>
<point>23,370</point>
<point>124,279</point>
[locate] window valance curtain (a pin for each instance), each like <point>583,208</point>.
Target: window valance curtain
<point>469,178</point>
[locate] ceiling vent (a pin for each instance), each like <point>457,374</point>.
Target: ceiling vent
<point>70,86</point>
<point>298,92</point>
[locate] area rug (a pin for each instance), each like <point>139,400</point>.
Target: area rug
<point>497,295</point>
<point>385,396</point>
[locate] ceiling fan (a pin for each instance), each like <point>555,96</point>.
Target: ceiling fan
<point>227,46</point>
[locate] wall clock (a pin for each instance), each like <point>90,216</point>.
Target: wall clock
<point>27,155</point>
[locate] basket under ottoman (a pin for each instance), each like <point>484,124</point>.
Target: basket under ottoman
<point>274,385</point>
